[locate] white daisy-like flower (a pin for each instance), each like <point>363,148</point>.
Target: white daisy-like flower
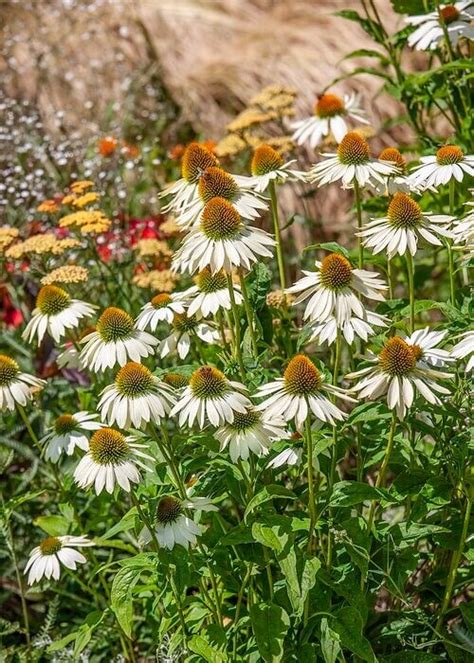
<point>463,231</point>
<point>46,559</point>
<point>184,328</point>
<point>267,165</point>
<point>115,341</point>
<point>395,182</point>
<point>210,294</point>
<point>15,386</point>
<point>250,431</point>
<point>112,458</point>
<point>216,183</point>
<point>404,225</point>
<point>196,159</point>
<point>55,312</point>
<point>330,115</point>
<point>173,526</point>
<point>288,457</point>
<point>429,34</point>
<point>136,398</point>
<point>300,391</point>
<point>465,348</point>
<point>423,343</point>
<point>351,162</point>
<point>68,432</point>
<point>326,331</point>
<point>210,398</point>
<point>222,241</point>
<point>162,307</point>
<point>449,162</point>
<point>334,289</point>
<point>398,374</point>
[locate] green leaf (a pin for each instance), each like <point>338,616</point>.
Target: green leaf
<point>368,412</point>
<point>126,523</point>
<point>288,565</point>
<point>330,640</point>
<point>333,247</point>
<point>121,596</point>
<point>83,637</point>
<point>57,645</point>
<point>270,624</point>
<point>53,525</point>
<point>308,580</point>
<point>366,53</point>
<point>349,493</point>
<point>411,7</point>
<point>347,623</point>
<point>270,536</point>
<point>266,494</point>
<point>200,646</point>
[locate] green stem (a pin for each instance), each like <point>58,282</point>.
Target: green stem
<point>249,314</point>
<point>235,312</point>
<point>456,560</point>
<point>390,278</point>
<point>276,230</point>
<point>449,246</point>
<point>311,496</point>
<point>383,470</point>
<point>30,430</point>
<point>358,201</point>
<point>332,472</point>
<point>411,289</point>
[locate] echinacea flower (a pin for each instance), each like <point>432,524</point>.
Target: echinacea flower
<point>464,348</point>
<point>184,328</point>
<point>404,225</point>
<point>172,525</point>
<point>210,398</point>
<point>423,343</point>
<point>268,165</point>
<point>112,458</point>
<point>196,159</point>
<point>448,163</point>
<point>216,183</point>
<point>291,456</point>
<point>396,373</point>
<point>300,391</point>
<point>250,431</point>
<point>463,232</point>
<point>136,398</point>
<point>429,34</point>
<point>162,307</point>
<point>351,162</point>
<point>210,294</point>
<point>55,312</point>
<point>222,241</point>
<point>395,182</point>
<point>335,288</point>
<point>115,341</point>
<point>327,330</point>
<point>46,559</point>
<point>330,115</point>
<point>68,432</point>
<point>15,386</point>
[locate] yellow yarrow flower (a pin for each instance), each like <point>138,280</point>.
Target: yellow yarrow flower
<point>41,244</point>
<point>66,274</point>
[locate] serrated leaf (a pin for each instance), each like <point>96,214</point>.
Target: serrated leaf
<point>270,624</point>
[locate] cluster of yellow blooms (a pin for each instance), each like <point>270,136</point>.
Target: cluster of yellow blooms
<point>66,274</point>
<point>87,221</point>
<point>41,244</point>
<point>153,248</point>
<point>163,280</point>
<point>7,235</point>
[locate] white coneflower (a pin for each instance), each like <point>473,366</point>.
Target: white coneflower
<point>112,458</point>
<point>300,391</point>
<point>404,225</point>
<point>136,398</point>
<point>172,525</point>
<point>55,312</point>
<point>456,18</point>
<point>68,432</point>
<point>335,289</point>
<point>463,231</point>
<point>351,327</point>
<point>222,241</point>
<point>250,431</point>
<point>161,308</point>
<point>216,183</point>
<point>449,162</point>
<point>423,343</point>
<point>267,165</point>
<point>210,398</point>
<point>330,115</point>
<point>115,341</point>
<point>289,456</point>
<point>196,159</point>
<point>46,559</point>
<point>398,374</point>
<point>396,182</point>
<point>464,348</point>
<point>184,328</point>
<point>15,386</point>
<point>210,294</point>
<point>351,162</point>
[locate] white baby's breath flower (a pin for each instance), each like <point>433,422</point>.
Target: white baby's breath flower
<point>15,386</point>
<point>68,432</point>
<point>112,458</point>
<point>46,559</point>
<point>55,312</point>
<point>330,117</point>
<point>429,34</point>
